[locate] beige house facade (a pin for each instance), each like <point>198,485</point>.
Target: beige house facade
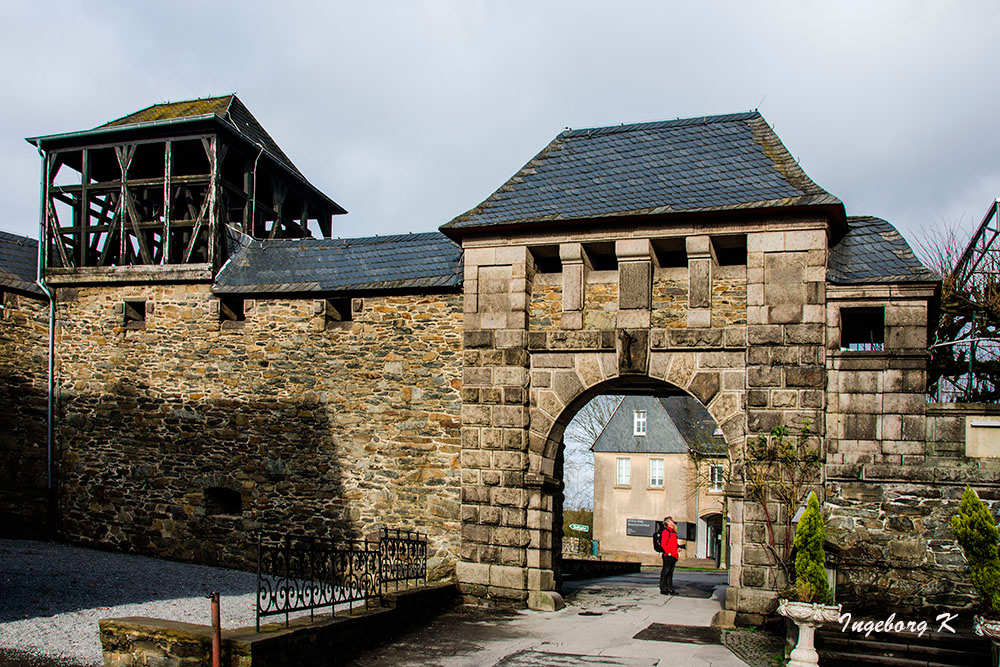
<point>648,466</point>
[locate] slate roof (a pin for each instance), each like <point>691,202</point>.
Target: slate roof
<point>873,251</point>
<point>19,264</point>
<point>671,424</point>
<point>405,261</point>
<point>686,165</point>
<point>695,424</point>
<point>226,107</point>
<point>227,110</point>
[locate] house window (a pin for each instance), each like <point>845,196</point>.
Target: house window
<point>135,314</point>
<point>624,477</point>
<point>656,473</point>
<point>715,479</point>
<point>639,423</point>
<point>862,329</point>
<point>232,312</point>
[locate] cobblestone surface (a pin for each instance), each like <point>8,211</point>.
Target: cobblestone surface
<point>755,647</point>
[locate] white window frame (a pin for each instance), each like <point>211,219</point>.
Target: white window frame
<point>716,482</point>
<point>639,423</point>
<point>655,482</point>
<point>623,472</point>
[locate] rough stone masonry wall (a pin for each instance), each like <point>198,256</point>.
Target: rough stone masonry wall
<point>786,376</point>
<point>896,466</point>
<point>513,419</point>
<point>329,431</point>
<point>23,393</point>
<point>892,522</point>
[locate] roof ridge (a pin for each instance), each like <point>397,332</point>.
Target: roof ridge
<point>20,237</point>
<point>167,103</point>
<point>660,124</point>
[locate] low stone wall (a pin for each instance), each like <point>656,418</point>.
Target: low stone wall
<point>326,641</point>
<point>897,551</point>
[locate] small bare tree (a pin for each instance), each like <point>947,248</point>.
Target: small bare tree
<point>965,349</point>
<point>778,471</point>
<point>578,461</point>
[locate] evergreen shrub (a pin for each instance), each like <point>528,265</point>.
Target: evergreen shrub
<point>978,536</point>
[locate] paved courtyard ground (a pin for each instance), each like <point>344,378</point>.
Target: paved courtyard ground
<point>597,627</point>
<point>52,596</point>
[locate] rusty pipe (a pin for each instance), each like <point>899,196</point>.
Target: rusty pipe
<point>216,630</point>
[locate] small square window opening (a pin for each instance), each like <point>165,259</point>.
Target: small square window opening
<point>862,329</point>
<point>135,314</point>
<point>232,312</point>
<point>338,310</point>
<point>546,259</point>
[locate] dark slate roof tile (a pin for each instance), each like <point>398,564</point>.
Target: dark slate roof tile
<point>19,263</point>
<point>409,261</point>
<point>227,107</point>
<point>695,164</point>
<point>672,424</point>
<point>873,251</point>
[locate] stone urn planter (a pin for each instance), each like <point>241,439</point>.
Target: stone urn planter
<point>989,628</point>
<point>807,616</point>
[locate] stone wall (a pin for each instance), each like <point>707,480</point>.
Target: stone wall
<point>24,328</point>
<point>893,474</point>
<point>892,520</point>
<point>670,297</point>
<point>328,428</point>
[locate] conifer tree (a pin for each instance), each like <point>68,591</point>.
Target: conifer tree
<point>977,533</point>
<point>811,584</point>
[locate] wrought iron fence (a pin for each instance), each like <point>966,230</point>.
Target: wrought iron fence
<point>403,555</point>
<point>297,573</point>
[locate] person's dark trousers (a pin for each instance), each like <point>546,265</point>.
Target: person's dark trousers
<point>667,574</point>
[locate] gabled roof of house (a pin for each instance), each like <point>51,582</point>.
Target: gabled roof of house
<point>19,264</point>
<point>407,261</point>
<point>673,425</point>
<point>873,251</point>
<point>710,163</point>
<point>695,425</point>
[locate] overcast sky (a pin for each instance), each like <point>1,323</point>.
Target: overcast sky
<point>409,113</point>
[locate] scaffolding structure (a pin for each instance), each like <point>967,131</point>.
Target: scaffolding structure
<point>966,347</point>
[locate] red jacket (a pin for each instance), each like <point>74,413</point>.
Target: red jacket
<point>668,540</point>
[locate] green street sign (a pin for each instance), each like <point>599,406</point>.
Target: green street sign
<point>582,529</point>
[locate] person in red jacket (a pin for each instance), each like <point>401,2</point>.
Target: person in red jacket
<point>668,540</point>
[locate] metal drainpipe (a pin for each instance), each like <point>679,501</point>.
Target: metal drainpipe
<point>40,279</point>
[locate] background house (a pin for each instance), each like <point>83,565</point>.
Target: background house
<point>658,457</point>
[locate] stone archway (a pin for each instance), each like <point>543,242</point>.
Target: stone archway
<point>561,395</point>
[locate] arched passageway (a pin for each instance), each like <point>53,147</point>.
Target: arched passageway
<point>659,453</point>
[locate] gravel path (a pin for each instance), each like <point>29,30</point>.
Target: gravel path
<point>52,595</point>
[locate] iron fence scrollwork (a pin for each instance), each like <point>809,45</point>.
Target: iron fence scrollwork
<point>299,573</point>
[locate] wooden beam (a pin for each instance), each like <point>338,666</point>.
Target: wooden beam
<point>124,153</point>
<point>134,218</point>
<point>84,211</point>
<point>166,202</point>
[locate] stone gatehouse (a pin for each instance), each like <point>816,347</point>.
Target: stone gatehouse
<point>219,370</point>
